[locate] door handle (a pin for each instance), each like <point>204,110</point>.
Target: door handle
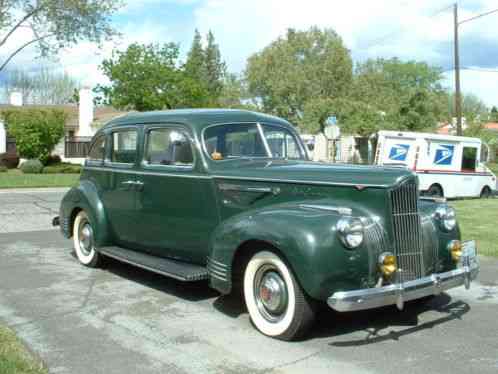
<point>128,183</point>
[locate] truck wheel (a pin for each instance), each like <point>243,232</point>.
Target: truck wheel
<point>485,193</point>
<point>84,242</point>
<point>435,191</point>
<point>276,303</point>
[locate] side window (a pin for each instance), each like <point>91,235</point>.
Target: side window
<point>124,146</point>
<point>469,158</point>
<point>97,151</point>
<point>168,147</point>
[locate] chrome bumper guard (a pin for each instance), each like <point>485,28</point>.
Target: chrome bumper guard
<point>348,301</point>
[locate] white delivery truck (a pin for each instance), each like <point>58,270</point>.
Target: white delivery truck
<point>449,166</point>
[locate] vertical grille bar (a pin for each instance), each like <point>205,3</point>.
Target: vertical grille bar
<point>408,244</point>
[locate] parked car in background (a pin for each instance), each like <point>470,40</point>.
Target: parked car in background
<point>449,166</point>
<point>230,197</point>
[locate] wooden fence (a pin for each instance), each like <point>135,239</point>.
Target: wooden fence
<point>76,147</point>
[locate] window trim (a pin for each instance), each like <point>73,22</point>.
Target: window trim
<point>126,165</point>
<point>95,162</point>
<point>297,138</point>
<point>146,165</point>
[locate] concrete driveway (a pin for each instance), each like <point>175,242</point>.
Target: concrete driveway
<point>120,319</point>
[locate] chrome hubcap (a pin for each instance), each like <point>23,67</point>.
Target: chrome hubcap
<point>86,238</point>
<point>271,294</point>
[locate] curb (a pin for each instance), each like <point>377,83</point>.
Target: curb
<point>33,190</point>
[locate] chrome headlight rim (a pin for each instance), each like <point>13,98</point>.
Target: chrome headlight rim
<point>446,216</point>
<point>351,232</point>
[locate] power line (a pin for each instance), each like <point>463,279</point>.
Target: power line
<point>478,16</point>
<point>396,32</point>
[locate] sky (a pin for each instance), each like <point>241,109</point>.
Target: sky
<point>420,30</point>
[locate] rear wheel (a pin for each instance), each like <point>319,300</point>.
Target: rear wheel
<point>435,190</point>
<point>486,193</point>
<point>84,241</point>
<point>276,303</point>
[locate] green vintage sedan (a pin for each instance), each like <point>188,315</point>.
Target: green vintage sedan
<point>230,197</point>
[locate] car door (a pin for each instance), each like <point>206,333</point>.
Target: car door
<point>119,195</point>
<point>176,210</point>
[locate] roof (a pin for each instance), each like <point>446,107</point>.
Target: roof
<point>102,114</point>
<point>491,126</point>
<point>426,135</point>
<point>198,118</point>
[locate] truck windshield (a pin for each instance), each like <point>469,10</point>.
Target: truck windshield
<point>251,140</point>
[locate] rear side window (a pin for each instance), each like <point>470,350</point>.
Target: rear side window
<point>168,147</point>
<point>124,147</point>
<point>97,150</point>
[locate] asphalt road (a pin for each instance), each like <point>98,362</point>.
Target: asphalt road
<point>121,319</point>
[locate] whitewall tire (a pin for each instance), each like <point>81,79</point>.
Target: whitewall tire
<point>276,303</point>
<point>84,241</point>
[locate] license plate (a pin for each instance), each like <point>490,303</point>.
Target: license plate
<point>469,249</point>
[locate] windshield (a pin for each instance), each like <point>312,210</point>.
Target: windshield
<point>251,140</point>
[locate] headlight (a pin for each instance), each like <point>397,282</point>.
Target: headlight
<point>446,216</point>
<point>350,231</point>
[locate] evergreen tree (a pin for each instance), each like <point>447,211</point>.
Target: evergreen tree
<point>494,114</point>
<point>194,67</point>
<point>214,67</point>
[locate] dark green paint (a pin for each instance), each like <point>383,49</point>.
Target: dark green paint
<point>215,207</point>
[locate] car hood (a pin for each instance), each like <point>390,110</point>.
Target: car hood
<point>310,172</point>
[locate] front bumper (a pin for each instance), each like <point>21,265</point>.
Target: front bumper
<point>348,301</point>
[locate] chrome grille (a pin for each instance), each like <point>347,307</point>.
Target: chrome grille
<point>408,245</point>
<point>377,241</point>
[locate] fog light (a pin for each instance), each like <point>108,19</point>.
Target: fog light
<point>455,248</point>
<point>387,263</point>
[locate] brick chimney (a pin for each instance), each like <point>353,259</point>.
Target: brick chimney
<point>85,112</point>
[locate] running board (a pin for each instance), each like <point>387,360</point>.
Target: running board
<point>182,271</point>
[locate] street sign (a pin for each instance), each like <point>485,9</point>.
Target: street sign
<point>332,130</point>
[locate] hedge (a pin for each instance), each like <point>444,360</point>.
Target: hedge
<point>37,131</point>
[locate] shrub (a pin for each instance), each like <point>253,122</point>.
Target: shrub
<point>3,169</point>
<point>32,167</point>
<point>53,160</point>
<point>37,131</point>
<point>62,168</point>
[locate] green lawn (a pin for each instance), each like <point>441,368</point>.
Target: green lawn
<point>14,178</point>
<point>14,358</point>
<point>478,220</point>
<point>493,167</point>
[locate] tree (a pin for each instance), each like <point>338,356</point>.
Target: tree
<point>54,24</point>
<point>354,117</point>
<point>409,93</point>
<point>37,131</point>
<point>214,67</point>
<point>493,114</point>
<point>144,77</point>
<point>297,68</point>
<point>205,68</point>
<point>195,65</point>
<point>44,87</point>
<point>474,110</point>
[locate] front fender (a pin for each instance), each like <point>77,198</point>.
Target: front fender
<point>85,197</point>
<point>305,237</point>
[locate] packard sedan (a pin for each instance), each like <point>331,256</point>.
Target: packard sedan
<point>230,197</point>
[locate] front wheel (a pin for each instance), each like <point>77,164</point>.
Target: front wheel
<point>276,303</point>
<point>485,193</point>
<point>84,241</point>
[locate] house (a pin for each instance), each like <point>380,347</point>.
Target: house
<point>83,120</point>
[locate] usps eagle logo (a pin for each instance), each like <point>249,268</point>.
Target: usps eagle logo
<point>444,154</point>
<point>399,152</point>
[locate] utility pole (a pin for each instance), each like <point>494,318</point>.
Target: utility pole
<point>458,93</point>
